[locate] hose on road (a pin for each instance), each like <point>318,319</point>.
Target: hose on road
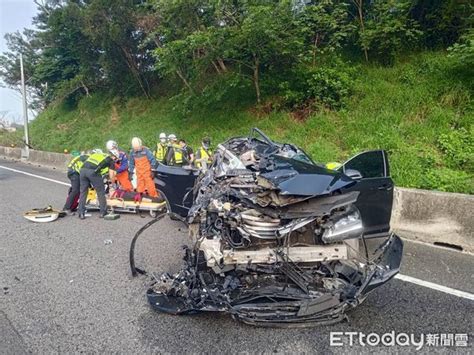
<point>133,268</point>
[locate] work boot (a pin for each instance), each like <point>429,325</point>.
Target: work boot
<point>68,212</point>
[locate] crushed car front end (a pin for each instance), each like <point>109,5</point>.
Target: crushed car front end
<point>278,241</point>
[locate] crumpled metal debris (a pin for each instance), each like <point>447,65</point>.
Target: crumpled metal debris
<point>276,242</point>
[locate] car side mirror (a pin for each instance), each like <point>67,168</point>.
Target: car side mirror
<point>353,174</point>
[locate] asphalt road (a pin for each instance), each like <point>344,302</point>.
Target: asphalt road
<point>64,289</point>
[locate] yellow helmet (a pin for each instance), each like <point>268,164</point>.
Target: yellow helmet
<point>333,165</point>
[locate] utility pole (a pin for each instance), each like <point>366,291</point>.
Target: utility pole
<point>25,109</point>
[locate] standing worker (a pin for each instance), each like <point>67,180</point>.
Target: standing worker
<point>204,154</point>
<point>95,167</point>
<point>121,166</point>
<point>187,152</point>
<point>161,148</point>
<point>174,155</point>
<point>143,161</point>
<point>73,169</point>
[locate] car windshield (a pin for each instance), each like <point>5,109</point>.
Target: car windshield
<point>293,152</point>
<point>285,150</point>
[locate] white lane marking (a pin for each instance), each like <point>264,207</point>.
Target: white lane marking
<point>449,290</point>
<point>405,278</point>
<point>36,176</point>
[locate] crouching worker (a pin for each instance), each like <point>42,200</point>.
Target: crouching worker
<point>143,161</point>
<point>73,169</point>
<point>96,166</point>
<point>120,176</point>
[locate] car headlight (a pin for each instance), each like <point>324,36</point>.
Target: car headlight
<point>347,226</point>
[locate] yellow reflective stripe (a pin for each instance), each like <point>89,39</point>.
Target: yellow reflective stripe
<point>96,158</point>
<point>178,156</point>
<point>104,171</point>
<point>160,152</point>
<point>204,155</point>
<point>73,162</point>
<point>76,164</point>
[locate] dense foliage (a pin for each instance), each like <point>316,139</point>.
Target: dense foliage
<point>129,47</point>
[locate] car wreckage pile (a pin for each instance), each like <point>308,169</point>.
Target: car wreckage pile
<point>276,241</point>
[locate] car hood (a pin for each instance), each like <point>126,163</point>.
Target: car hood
<point>293,177</point>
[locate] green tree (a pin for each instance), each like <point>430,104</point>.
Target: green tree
<point>265,39</point>
<point>112,27</point>
<point>325,26</point>
<point>388,29</point>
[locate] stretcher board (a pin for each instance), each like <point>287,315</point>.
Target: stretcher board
<point>120,205</point>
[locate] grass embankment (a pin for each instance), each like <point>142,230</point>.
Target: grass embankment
<point>420,111</point>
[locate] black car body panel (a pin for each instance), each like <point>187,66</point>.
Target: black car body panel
<point>176,184</point>
<point>293,177</point>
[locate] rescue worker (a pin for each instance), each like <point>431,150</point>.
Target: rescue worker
<point>143,161</point>
<point>204,154</point>
<point>174,155</point>
<point>121,166</point>
<point>73,169</point>
<point>187,151</point>
<point>95,167</point>
<point>161,148</point>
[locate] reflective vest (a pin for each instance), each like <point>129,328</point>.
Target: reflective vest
<point>96,159</point>
<point>204,155</point>
<point>178,154</point>
<point>160,152</point>
<point>76,163</point>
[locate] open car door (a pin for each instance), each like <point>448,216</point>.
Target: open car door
<point>376,190</point>
<point>176,184</point>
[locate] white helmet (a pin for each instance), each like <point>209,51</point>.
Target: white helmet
<point>111,145</point>
<point>162,135</point>
<point>115,153</point>
<point>172,137</point>
<point>136,143</point>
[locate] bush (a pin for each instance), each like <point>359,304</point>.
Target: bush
<point>463,51</point>
<point>326,86</point>
<point>449,180</point>
<point>458,146</point>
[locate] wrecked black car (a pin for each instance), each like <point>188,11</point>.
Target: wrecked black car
<point>278,239</point>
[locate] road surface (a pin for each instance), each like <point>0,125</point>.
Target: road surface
<point>64,288</point>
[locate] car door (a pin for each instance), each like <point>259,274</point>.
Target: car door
<point>176,184</point>
<point>376,190</point>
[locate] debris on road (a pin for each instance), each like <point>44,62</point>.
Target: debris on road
<point>43,215</point>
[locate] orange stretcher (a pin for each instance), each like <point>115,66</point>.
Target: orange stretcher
<point>120,205</point>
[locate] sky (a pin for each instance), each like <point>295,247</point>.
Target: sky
<point>14,15</point>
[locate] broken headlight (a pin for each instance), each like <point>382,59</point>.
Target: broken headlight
<point>347,226</point>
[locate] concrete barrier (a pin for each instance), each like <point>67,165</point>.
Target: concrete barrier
<point>12,153</point>
<point>435,217</point>
<point>52,160</point>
